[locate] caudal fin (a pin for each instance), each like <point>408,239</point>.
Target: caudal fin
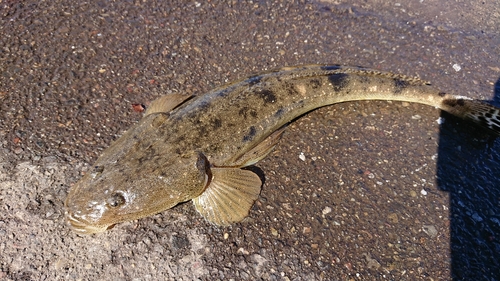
<point>479,112</point>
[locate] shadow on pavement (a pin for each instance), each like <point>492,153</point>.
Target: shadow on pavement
<point>468,167</point>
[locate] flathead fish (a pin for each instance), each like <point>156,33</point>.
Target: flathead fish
<point>195,148</point>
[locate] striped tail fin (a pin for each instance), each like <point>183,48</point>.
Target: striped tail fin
<point>479,112</point>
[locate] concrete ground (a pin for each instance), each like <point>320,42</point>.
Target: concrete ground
<point>355,191</point>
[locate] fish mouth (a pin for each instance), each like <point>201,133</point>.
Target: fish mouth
<point>80,226</point>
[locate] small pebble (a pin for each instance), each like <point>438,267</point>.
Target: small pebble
<point>393,218</point>
<point>137,107</point>
<point>302,156</point>
<point>423,192</point>
<point>306,230</point>
<point>430,230</point>
<point>274,232</point>
<point>327,210</point>
<point>242,251</point>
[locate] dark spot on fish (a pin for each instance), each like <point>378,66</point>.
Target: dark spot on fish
<point>488,115</point>
<point>449,102</point>
<point>482,119</point>
<point>216,123</point>
<point>400,85</point>
<point>279,112</point>
<point>253,80</point>
<point>204,105</point>
<point>214,148</point>
<point>250,135</point>
<point>267,95</point>
<point>290,88</point>
<point>331,67</point>
<point>142,160</point>
<point>202,130</point>
<point>291,91</point>
<point>245,111</point>
<point>454,102</point>
<point>339,81</point>
<point>148,154</point>
<point>442,94</point>
<point>314,83</point>
<point>222,93</point>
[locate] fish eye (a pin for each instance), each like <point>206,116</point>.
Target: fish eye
<point>116,200</point>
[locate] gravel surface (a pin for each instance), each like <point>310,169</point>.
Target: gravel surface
<point>354,191</point>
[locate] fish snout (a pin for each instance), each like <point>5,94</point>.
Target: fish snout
<point>80,226</point>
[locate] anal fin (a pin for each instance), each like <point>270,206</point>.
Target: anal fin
<point>229,196</point>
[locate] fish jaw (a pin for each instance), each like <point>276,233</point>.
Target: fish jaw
<point>80,226</point>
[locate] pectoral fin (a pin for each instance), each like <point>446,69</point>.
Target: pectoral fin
<point>166,103</point>
<point>229,196</point>
<point>260,151</point>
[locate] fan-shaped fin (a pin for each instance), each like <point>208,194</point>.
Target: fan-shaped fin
<point>229,196</point>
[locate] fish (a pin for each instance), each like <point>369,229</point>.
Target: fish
<point>198,147</point>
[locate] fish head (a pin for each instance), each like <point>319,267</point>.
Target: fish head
<point>116,192</point>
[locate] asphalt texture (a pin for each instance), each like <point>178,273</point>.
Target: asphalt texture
<point>354,191</point>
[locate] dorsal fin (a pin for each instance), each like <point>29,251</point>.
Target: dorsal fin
<point>166,103</point>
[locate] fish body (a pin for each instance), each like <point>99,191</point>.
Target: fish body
<point>194,148</point>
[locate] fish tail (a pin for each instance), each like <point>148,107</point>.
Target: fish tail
<point>479,112</point>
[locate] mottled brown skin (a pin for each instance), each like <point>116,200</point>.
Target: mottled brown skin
<point>166,157</point>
